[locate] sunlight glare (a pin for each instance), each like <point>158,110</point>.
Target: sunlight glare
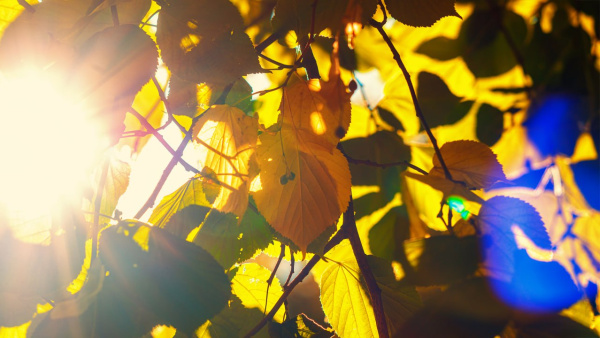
<point>47,143</point>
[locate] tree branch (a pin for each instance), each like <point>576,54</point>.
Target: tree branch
<point>413,94</point>
<point>98,205</point>
<point>361,258</point>
<point>336,239</point>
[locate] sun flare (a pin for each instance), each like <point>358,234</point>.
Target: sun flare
<point>48,143</point>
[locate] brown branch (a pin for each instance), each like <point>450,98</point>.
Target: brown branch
<point>337,238</point>
<point>413,94</point>
<point>365,269</point>
<point>115,15</point>
<point>384,165</point>
<point>267,42</point>
<point>272,276</point>
<point>26,5</point>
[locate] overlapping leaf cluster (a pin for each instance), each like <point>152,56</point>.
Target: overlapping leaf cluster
<point>440,185</point>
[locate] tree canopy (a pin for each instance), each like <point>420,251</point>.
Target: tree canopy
<point>181,168</point>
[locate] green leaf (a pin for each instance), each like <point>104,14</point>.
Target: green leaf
<point>196,191</point>
<point>348,307</point>
<point>178,281</point>
<point>439,105</point>
<point>490,124</point>
<point>250,285</point>
<point>439,260</point>
<point>187,219</point>
<point>204,41</point>
<point>421,13</point>
<point>230,242</point>
<point>440,48</point>
<point>391,229</point>
<point>468,309</point>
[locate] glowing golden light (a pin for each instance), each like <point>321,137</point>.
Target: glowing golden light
<point>47,143</point>
<point>317,123</point>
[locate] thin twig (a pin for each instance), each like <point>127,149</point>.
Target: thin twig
<point>386,165</point>
<point>115,15</point>
<point>272,276</point>
<point>161,182</point>
<point>267,42</point>
<point>337,238</point>
<point>413,94</point>
<point>26,5</point>
<point>365,269</point>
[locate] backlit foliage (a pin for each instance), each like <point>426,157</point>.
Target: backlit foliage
<point>431,164</point>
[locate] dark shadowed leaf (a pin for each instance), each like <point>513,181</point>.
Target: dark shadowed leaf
<point>195,36</point>
<point>393,228</point>
<point>440,48</point>
<point>366,204</point>
<point>383,147</point>
<point>234,320</point>
<point>179,282</point>
<point>335,14</point>
<point>230,242</point>
<point>483,47</point>
<point>422,13</point>
<point>389,118</point>
<point>438,103</point>
<point>490,124</point>
<point>439,260</point>
<point>185,220</point>
<point>551,326</point>
<point>468,309</point>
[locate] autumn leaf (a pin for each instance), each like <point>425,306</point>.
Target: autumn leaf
<point>196,191</point>
<point>195,35</point>
<point>470,162</point>
<point>317,107</point>
<point>421,13</point>
<point>447,187</point>
<point>230,137</point>
<point>305,186</point>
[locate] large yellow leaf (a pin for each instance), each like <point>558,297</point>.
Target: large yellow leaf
<point>304,185</point>
<point>471,162</point>
<point>230,136</point>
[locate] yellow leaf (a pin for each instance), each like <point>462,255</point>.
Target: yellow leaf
<point>193,192</point>
<point>230,136</point>
<point>470,162</point>
<point>304,184</point>
<point>346,303</point>
<point>250,285</point>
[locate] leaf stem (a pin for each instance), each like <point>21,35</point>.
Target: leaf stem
<point>413,94</point>
<point>361,258</point>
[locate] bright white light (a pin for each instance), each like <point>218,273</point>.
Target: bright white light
<point>46,143</point>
